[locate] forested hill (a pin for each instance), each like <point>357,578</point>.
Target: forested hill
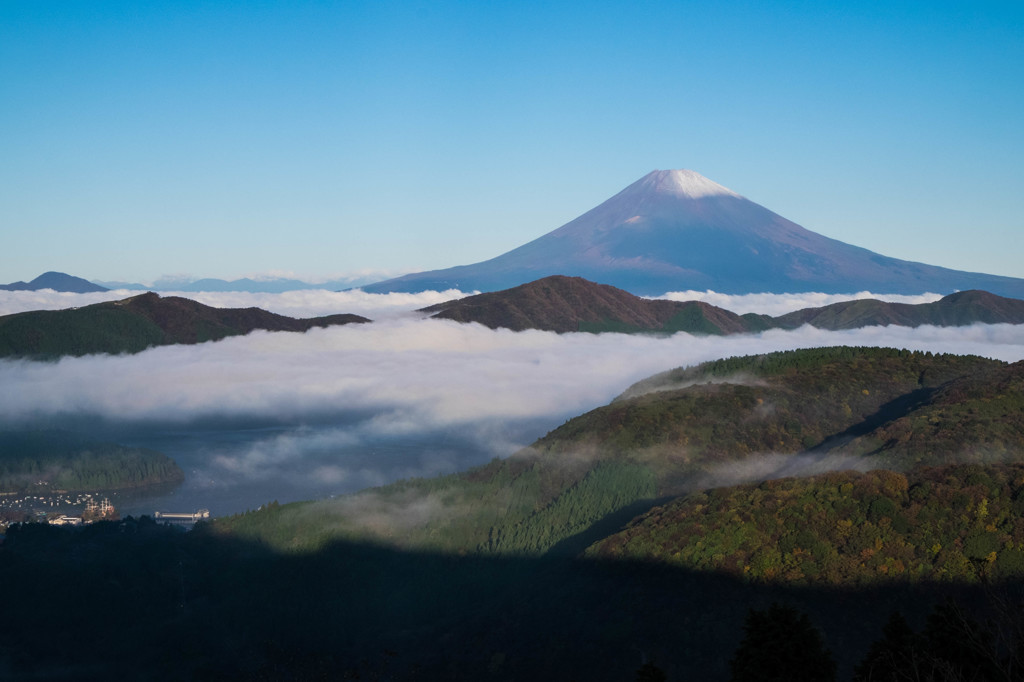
<point>954,310</point>
<point>897,408</point>
<point>133,324</point>
<point>718,423</point>
<point>42,461</point>
<point>571,304</point>
<point>960,523</point>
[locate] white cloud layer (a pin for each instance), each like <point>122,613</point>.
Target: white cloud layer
<point>780,304</point>
<point>303,303</point>
<point>314,302</point>
<point>413,373</point>
<point>338,409</point>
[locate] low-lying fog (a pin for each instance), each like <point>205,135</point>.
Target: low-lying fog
<point>295,416</point>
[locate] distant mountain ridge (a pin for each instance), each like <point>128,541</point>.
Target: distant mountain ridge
<point>274,285</point>
<point>133,324</point>
<point>955,310</point>
<point>676,230</point>
<point>569,304</point>
<point>58,281</point>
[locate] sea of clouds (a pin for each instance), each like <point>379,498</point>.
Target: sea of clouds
<point>342,408</point>
<point>315,302</point>
<point>301,303</point>
<point>780,304</point>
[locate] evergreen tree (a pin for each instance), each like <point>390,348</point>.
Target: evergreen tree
<point>898,655</point>
<point>960,648</point>
<point>780,645</point>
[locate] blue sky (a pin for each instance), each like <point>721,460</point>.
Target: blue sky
<point>225,139</point>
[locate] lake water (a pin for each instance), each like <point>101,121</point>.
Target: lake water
<point>231,470</point>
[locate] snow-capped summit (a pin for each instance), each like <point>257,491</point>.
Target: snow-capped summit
<point>675,230</point>
<point>685,183</point>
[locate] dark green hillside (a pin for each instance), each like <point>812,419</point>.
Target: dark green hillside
<point>77,331</point>
<point>38,461</point>
<point>785,403</point>
<point>976,418</point>
<point>598,470</point>
<point>134,324</point>
<point>520,506</point>
<point>954,524</point>
<point>833,364</point>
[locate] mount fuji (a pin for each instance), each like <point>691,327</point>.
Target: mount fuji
<point>675,230</point>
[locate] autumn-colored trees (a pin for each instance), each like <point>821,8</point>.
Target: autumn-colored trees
<point>957,523</point>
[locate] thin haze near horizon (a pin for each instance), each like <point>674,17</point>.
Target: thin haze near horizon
<point>317,139</point>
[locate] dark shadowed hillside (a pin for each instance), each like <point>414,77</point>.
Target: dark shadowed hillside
<point>134,324</point>
<point>364,612</point>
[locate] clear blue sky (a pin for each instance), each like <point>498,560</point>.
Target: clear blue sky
<point>224,139</point>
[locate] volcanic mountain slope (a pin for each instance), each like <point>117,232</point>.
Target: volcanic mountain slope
<point>719,423</point>
<point>676,230</point>
<point>58,281</point>
<point>133,324</point>
<point>570,304</point>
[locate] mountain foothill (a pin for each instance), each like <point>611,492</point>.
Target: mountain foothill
<point>570,304</point>
<point>134,324</point>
